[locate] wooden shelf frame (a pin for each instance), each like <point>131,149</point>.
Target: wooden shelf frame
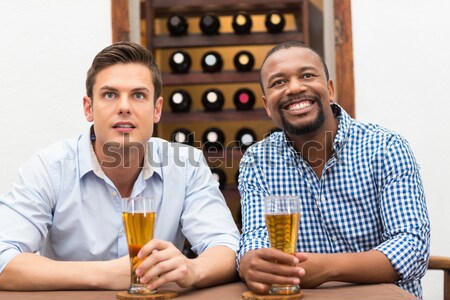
<point>163,8</point>
<point>223,115</point>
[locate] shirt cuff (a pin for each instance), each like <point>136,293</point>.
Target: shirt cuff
<point>6,256</point>
<point>408,261</point>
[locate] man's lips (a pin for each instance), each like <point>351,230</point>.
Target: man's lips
<point>124,126</point>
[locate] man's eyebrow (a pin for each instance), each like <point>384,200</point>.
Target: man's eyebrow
<point>299,70</point>
<point>140,89</point>
<point>271,77</point>
<point>108,88</point>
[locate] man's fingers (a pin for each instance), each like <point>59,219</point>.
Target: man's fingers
<point>278,256</point>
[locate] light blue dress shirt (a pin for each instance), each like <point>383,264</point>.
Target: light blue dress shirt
<point>63,206</point>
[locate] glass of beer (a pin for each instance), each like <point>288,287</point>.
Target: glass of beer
<point>138,215</point>
<point>282,214</point>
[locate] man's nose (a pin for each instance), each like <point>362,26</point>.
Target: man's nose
<point>124,105</point>
<point>295,86</point>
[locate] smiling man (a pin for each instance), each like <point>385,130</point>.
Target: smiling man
<point>66,202</point>
<point>363,210</point>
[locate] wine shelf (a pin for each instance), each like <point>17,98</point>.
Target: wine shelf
<point>210,78</point>
<point>224,39</point>
<point>224,115</point>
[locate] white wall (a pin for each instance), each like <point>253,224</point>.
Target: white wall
<point>402,79</point>
<point>46,47</point>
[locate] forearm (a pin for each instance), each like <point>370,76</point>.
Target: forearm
<point>362,267</point>
<point>29,271</point>
<point>216,265</point>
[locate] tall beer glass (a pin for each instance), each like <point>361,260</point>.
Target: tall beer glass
<point>138,215</point>
<point>282,214</point>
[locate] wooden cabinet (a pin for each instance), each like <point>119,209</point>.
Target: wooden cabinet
<point>229,80</point>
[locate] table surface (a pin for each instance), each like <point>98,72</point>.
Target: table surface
<point>233,291</point>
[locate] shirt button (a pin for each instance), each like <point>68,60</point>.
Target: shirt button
<point>334,238</point>
<point>114,193</point>
<point>323,199</point>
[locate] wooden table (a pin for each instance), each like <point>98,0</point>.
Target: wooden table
<point>233,291</point>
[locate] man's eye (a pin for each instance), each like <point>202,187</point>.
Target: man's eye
<point>109,95</point>
<point>277,82</point>
<point>308,76</point>
<point>139,96</point>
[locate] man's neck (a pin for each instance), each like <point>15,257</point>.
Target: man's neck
<point>125,168</point>
<point>317,147</point>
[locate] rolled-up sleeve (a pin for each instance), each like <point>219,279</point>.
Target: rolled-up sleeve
<point>26,210</point>
<point>404,214</point>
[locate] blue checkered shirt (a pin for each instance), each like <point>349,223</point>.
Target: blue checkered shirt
<point>370,196</point>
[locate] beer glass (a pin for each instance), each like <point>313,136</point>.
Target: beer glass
<point>138,215</point>
<point>282,214</point>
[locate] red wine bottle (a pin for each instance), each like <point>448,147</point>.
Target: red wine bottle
<point>213,100</point>
<point>180,62</point>
<point>244,61</point>
<point>180,101</point>
<point>177,25</point>
<point>219,175</point>
<point>183,136</point>
<point>212,62</point>
<point>275,22</point>
<point>242,23</point>
<point>213,139</point>
<point>245,137</point>
<point>210,24</point>
<point>244,99</point>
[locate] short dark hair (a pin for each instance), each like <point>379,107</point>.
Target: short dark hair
<point>287,45</point>
<point>121,53</point>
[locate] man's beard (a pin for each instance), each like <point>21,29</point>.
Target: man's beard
<point>304,128</point>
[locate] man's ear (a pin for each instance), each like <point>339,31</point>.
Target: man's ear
<point>265,106</point>
<point>158,110</point>
<point>331,90</point>
<point>87,107</point>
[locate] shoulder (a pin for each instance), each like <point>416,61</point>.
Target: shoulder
<point>64,150</point>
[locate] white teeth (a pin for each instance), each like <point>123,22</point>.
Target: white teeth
<point>300,105</point>
<point>125,126</point>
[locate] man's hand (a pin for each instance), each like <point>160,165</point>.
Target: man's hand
<point>165,263</point>
<point>263,267</point>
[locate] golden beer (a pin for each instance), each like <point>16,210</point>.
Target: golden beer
<point>282,216</point>
<point>139,227</point>
<point>283,231</point>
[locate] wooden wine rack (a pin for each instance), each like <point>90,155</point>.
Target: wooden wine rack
<point>229,80</point>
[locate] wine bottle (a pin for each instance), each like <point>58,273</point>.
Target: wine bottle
<point>219,175</point>
<point>212,62</point>
<point>213,100</point>
<point>275,22</point>
<point>180,101</point>
<point>244,99</point>
<point>183,136</point>
<point>180,62</point>
<point>244,61</point>
<point>242,23</point>
<point>213,139</point>
<point>210,24</point>
<point>177,25</point>
<point>245,137</point>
